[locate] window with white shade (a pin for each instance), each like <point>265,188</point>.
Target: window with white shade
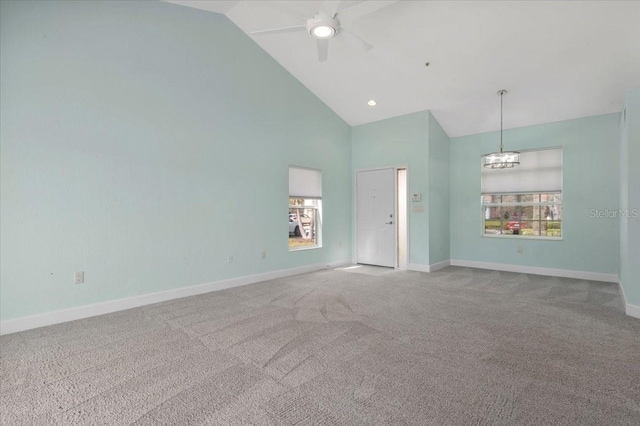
<point>305,208</point>
<point>525,201</point>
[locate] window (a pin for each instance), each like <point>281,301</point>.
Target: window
<point>526,200</point>
<point>305,208</point>
<point>531,215</point>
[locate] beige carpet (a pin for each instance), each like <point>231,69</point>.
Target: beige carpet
<point>340,347</point>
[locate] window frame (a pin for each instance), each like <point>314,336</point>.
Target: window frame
<point>311,196</point>
<point>316,224</point>
<point>539,204</point>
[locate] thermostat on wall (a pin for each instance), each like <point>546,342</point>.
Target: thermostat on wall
<point>416,198</point>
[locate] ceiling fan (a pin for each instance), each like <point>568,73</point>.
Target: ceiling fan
<point>325,25</point>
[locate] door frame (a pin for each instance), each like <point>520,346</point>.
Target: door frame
<point>354,208</point>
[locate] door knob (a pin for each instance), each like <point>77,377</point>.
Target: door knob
<point>389,223</point>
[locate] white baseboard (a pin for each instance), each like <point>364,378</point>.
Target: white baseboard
<point>633,310</point>
<point>564,273</point>
<point>621,288</point>
<point>439,265</point>
<point>428,268</point>
<point>85,311</point>
<point>418,267</point>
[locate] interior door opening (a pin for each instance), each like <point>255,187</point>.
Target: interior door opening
<point>402,218</point>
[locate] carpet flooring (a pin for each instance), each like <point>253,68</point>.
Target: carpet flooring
<point>353,346</point>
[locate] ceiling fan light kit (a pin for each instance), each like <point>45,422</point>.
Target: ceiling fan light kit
<point>502,159</point>
<point>322,27</point>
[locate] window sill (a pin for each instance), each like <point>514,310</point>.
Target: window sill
<point>304,248</point>
<point>522,237</point>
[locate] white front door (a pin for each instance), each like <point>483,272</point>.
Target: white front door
<point>375,217</point>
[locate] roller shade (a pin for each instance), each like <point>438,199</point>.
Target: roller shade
<point>539,171</point>
<point>305,183</point>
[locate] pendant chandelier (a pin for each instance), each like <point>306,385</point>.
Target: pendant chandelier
<point>502,159</point>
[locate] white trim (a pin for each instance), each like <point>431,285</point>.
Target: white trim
<point>86,311</point>
<point>428,268</point>
<point>522,237</point>
<point>565,273</point>
<point>439,265</point>
<point>354,255</point>
<point>303,248</point>
<point>418,267</point>
<point>406,219</point>
<point>621,288</point>
<point>354,203</point>
<point>633,310</point>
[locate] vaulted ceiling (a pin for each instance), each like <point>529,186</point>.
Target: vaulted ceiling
<point>557,59</point>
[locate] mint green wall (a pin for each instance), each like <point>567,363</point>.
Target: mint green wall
<point>624,198</point>
<point>143,142</point>
<point>590,179</point>
<point>439,196</point>
<point>630,198</point>
<point>400,141</point>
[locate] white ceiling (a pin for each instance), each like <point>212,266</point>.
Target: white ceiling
<point>558,59</point>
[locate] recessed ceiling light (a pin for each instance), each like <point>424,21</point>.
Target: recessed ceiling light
<point>371,102</point>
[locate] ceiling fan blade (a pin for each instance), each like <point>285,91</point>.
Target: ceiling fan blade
<point>293,29</point>
<point>355,41</point>
<point>362,9</point>
<point>330,7</point>
<point>323,49</point>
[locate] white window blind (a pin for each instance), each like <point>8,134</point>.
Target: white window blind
<point>539,171</point>
<point>305,183</point>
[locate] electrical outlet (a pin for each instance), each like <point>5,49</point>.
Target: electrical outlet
<point>230,258</point>
<point>264,254</point>
<point>78,277</point>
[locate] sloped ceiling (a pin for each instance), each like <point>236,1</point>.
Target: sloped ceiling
<point>557,59</point>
